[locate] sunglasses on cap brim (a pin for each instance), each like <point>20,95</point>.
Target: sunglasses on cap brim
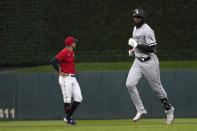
<point>136,16</point>
<point>76,40</point>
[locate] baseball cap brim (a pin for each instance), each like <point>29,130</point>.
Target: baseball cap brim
<point>138,16</point>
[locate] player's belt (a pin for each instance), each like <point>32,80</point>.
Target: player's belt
<point>143,59</point>
<point>72,75</point>
<point>67,74</point>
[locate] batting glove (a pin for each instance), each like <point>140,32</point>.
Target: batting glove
<point>132,42</point>
<point>131,52</point>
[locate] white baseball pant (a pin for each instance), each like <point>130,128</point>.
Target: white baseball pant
<point>70,88</point>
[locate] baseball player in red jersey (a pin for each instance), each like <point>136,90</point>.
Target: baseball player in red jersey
<point>68,83</point>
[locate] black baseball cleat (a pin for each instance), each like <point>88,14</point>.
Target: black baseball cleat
<point>69,121</point>
<point>72,121</point>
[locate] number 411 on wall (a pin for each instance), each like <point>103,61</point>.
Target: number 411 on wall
<point>7,113</point>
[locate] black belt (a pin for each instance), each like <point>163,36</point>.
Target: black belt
<point>68,74</point>
<point>72,75</point>
<point>143,59</point>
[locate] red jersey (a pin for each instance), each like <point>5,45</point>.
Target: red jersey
<point>66,60</point>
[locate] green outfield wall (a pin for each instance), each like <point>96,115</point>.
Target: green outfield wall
<point>25,96</point>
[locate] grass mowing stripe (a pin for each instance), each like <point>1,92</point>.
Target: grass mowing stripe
<point>116,122</point>
<point>105,125</point>
<point>101,125</point>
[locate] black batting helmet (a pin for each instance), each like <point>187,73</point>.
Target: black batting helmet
<point>139,13</point>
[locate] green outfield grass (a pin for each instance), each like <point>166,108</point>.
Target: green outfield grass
<point>184,124</point>
<point>114,66</point>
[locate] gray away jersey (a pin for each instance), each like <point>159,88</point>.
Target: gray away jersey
<point>143,35</point>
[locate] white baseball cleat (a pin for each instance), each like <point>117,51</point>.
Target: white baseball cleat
<point>139,115</point>
<point>170,116</point>
<point>65,119</point>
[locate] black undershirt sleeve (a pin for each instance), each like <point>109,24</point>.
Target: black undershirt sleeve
<point>54,63</point>
<point>147,48</point>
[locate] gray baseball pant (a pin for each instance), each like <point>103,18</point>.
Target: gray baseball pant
<point>150,70</point>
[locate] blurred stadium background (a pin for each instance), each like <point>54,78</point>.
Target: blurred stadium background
<point>33,31</point>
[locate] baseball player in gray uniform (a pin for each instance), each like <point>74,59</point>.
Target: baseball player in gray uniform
<point>146,64</point>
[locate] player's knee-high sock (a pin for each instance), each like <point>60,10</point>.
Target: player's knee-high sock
<point>165,103</point>
<point>67,110</point>
<point>74,107</point>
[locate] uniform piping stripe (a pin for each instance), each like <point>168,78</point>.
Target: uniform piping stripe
<point>152,44</point>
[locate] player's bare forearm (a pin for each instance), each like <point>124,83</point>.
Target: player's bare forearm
<point>63,74</point>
